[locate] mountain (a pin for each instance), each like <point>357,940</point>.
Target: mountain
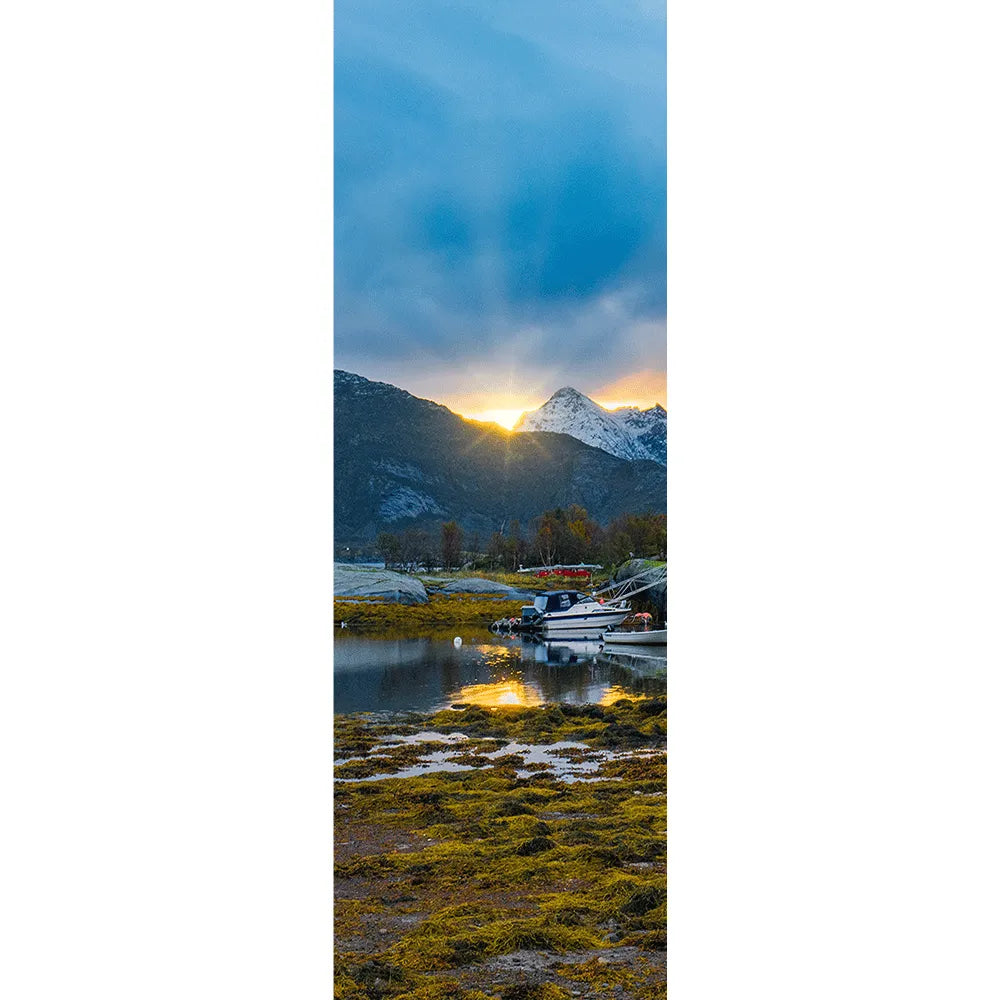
<point>400,461</point>
<point>647,429</point>
<point>627,432</point>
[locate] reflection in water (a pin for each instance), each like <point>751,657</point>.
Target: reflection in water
<point>501,693</point>
<point>425,672</point>
<point>615,692</point>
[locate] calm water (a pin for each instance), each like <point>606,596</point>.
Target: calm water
<point>424,673</point>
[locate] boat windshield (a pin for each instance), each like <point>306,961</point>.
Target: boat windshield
<point>559,600</point>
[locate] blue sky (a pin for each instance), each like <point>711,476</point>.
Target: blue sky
<point>500,195</point>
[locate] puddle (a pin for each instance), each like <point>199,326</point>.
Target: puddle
<point>424,737</point>
<point>549,755</point>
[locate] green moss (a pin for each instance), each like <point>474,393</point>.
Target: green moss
<point>386,760</point>
<point>602,976</point>
<point>348,913</point>
<point>593,724</point>
<point>534,846</point>
<point>445,988</point>
<point>513,807</point>
<point>535,991</point>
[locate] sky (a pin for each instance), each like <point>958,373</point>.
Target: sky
<point>500,199</point>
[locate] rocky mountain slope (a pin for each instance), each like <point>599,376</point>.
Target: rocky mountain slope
<point>401,461</point>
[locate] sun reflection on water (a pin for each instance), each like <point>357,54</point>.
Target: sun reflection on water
<point>615,692</point>
<point>497,694</point>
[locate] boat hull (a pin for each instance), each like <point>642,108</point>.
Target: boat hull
<point>654,637</point>
<point>583,622</point>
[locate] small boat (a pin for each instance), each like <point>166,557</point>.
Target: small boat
<point>571,610</point>
<point>654,637</point>
<point>639,633</point>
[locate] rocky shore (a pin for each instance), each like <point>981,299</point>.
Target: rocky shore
<point>502,854</point>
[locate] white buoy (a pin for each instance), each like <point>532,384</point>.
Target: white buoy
<point>457,640</point>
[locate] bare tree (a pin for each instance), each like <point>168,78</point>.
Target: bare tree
<point>451,544</point>
<point>388,547</point>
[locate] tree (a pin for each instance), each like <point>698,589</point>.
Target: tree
<point>518,545</point>
<point>425,545</point>
<point>414,545</point>
<point>388,547</point>
<point>545,540</point>
<point>496,548</point>
<point>580,534</point>
<point>451,544</point>
<point>640,535</point>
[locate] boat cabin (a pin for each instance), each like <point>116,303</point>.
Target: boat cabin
<point>553,600</point>
<point>558,600</point>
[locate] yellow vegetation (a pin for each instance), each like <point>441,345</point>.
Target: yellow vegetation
<point>441,609</point>
<point>495,864</point>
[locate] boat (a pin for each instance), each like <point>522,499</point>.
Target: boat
<point>639,632</point>
<point>571,610</point>
<point>651,637</point>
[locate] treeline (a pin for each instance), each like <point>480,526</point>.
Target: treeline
<point>561,535</point>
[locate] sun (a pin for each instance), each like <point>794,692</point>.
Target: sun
<point>505,418</point>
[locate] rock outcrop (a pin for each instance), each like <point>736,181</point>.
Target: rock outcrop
<point>477,585</point>
<point>354,581</point>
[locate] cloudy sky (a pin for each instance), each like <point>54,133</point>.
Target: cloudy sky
<point>500,198</point>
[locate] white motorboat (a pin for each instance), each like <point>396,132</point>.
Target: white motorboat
<point>571,610</point>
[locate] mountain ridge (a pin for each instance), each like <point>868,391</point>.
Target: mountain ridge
<point>627,432</point>
<point>402,461</point>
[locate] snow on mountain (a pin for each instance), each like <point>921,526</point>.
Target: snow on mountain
<point>628,432</point>
<point>647,429</point>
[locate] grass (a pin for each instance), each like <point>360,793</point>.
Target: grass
<point>440,610</point>
<point>523,581</point>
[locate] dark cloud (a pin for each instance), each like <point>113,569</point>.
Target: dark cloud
<point>500,178</point>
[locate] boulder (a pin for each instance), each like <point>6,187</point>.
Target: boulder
<point>353,581</point>
<point>477,585</point>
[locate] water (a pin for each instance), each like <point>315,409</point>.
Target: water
<point>426,672</point>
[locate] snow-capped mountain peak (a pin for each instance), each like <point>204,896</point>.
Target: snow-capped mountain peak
<point>627,432</point>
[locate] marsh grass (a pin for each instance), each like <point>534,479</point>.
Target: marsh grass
<point>523,581</point>
<point>439,611</point>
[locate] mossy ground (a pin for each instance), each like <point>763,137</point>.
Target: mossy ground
<point>440,610</point>
<point>523,581</point>
<point>480,885</point>
<point>373,613</point>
